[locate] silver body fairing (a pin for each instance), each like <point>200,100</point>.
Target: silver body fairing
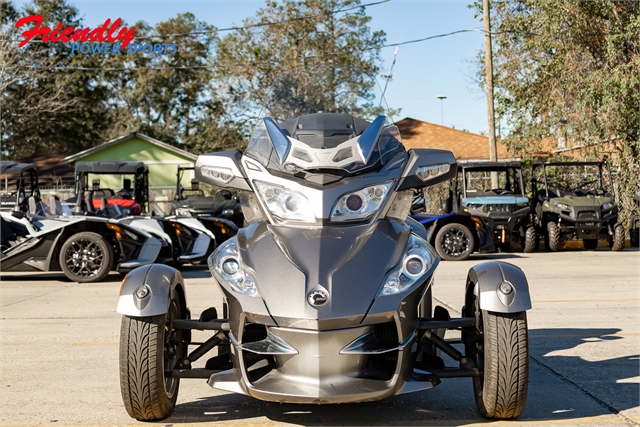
<point>357,346</point>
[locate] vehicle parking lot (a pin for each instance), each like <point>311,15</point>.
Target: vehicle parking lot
<point>59,352</point>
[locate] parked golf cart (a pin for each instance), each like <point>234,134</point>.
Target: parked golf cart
<point>454,234</point>
<point>221,214</point>
<point>184,239</point>
<point>84,248</point>
<point>571,201</point>
<point>505,210</point>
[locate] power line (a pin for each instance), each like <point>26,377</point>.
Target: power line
<point>204,67</point>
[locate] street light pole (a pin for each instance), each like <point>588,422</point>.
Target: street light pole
<point>493,150</point>
<point>441,98</point>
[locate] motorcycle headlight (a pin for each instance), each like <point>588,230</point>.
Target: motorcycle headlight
<point>562,206</point>
<point>183,212</point>
<point>607,206</point>
<point>360,204</point>
<point>416,261</point>
<point>284,203</point>
<point>225,263</point>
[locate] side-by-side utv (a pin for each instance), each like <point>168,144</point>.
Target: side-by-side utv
<point>504,210</point>
<point>571,202</point>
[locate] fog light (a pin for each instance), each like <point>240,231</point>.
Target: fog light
<point>505,287</point>
<point>230,266</point>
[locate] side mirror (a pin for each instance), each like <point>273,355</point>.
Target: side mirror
<point>222,170</point>
<point>427,167</point>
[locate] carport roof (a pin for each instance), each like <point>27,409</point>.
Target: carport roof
<point>13,168</point>
<point>142,136</point>
<point>111,166</point>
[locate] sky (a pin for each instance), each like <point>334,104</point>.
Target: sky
<point>423,71</point>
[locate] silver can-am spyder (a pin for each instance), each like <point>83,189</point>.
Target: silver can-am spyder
<point>328,289</point>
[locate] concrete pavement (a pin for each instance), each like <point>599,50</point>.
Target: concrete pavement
<point>59,353</point>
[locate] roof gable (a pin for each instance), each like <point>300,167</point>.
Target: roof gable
<point>108,144</point>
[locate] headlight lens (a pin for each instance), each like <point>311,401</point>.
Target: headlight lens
<point>562,206</point>
<point>417,260</point>
<point>607,206</point>
<point>360,204</point>
<point>183,212</point>
<point>216,174</point>
<point>285,203</point>
<point>225,262</point>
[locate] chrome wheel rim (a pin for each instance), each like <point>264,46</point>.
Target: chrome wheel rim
<point>84,258</point>
<point>455,243</point>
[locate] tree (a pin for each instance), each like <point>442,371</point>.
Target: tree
<point>298,57</point>
<point>571,68</point>
<point>42,108</point>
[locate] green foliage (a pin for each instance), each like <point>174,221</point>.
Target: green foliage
<point>315,58</point>
<point>570,68</point>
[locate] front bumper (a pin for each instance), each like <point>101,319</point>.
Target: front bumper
<point>309,366</point>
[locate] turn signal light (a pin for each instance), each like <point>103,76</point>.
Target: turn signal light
<point>115,228</point>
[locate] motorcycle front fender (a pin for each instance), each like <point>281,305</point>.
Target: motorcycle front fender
<point>162,283</point>
<point>484,281</point>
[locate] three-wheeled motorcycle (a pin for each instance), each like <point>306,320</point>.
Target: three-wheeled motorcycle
<point>327,290</point>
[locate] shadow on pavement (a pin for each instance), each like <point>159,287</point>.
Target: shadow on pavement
<point>550,399</point>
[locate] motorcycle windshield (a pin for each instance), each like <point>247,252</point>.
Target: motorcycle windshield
<point>324,142</point>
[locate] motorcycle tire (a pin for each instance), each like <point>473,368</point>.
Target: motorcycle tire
<point>146,352</point>
<point>501,391</point>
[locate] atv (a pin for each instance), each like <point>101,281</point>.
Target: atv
<point>570,201</point>
<point>328,289</point>
<point>504,210</point>
<point>221,214</point>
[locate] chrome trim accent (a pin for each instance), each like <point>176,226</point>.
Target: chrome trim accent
<point>368,344</point>
<point>270,345</point>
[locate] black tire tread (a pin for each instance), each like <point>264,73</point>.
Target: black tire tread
<point>141,379</point>
<point>617,241</point>
<point>531,240</point>
<point>506,370</point>
<point>553,237</point>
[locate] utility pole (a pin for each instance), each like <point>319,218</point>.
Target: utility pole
<point>493,150</point>
<point>441,98</point>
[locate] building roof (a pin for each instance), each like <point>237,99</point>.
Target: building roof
<point>464,145</point>
<point>142,136</point>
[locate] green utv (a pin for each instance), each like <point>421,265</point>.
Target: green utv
<point>575,200</point>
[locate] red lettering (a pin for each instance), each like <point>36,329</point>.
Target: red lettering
<point>103,33</point>
<point>66,34</point>
<point>126,36</point>
<point>82,34</point>
<point>55,37</point>
<point>29,34</point>
<point>113,29</point>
